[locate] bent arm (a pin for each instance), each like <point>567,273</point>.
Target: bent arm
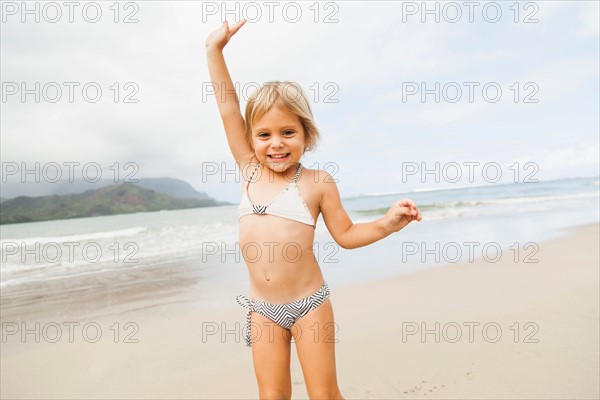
<point>347,234</point>
<point>363,234</point>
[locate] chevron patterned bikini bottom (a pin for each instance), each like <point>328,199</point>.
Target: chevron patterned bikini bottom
<point>284,315</point>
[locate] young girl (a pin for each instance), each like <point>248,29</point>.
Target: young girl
<point>281,202</point>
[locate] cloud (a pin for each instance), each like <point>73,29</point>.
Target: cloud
<point>566,161</point>
<point>590,16</point>
<point>561,77</point>
<point>367,54</point>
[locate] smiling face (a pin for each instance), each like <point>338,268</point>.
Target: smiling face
<point>278,132</point>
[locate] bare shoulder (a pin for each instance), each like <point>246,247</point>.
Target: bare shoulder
<point>321,182</point>
<point>249,160</point>
<point>315,176</point>
<point>310,172</point>
<point>324,178</point>
<point>335,217</point>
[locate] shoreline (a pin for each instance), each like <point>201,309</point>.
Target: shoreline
<point>180,351</point>
<point>186,283</point>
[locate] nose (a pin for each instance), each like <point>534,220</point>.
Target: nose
<point>277,143</point>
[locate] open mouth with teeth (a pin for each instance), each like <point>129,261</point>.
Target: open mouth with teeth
<point>278,156</point>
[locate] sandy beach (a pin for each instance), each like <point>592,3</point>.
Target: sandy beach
<point>503,330</point>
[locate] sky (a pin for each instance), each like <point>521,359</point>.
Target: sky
<point>517,89</point>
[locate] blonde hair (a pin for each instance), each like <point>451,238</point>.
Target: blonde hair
<point>287,96</point>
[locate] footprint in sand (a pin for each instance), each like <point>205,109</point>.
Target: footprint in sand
<point>418,388</point>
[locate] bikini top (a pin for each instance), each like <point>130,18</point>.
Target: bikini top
<point>287,204</point>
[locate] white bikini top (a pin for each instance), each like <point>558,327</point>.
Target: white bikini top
<point>287,204</point>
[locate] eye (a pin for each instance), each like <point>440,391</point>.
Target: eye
<point>263,134</point>
<point>289,132</point>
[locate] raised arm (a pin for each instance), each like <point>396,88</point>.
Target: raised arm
<point>227,100</point>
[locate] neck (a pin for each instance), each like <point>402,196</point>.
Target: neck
<point>287,175</point>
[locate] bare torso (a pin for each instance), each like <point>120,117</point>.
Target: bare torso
<point>279,251</point>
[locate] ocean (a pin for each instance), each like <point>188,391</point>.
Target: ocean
<point>104,265</point>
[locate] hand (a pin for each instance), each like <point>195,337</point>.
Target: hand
<point>220,37</point>
<point>400,214</point>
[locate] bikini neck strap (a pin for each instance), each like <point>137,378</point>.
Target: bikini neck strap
<point>295,179</point>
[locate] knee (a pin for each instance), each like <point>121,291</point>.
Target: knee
<point>324,393</point>
<point>274,394</point>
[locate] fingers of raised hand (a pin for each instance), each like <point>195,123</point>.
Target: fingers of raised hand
<point>234,28</point>
<point>237,26</point>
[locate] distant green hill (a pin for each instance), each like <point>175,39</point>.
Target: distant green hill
<point>170,186</point>
<point>115,199</point>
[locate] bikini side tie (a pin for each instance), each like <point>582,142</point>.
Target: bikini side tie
<point>249,304</point>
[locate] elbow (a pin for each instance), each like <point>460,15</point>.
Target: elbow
<point>345,244</point>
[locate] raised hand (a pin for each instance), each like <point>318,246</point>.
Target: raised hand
<point>401,214</point>
<point>219,38</point>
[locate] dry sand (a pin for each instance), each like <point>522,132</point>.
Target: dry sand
<point>547,346</point>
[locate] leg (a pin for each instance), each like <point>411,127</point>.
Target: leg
<point>314,336</point>
<point>271,355</point>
